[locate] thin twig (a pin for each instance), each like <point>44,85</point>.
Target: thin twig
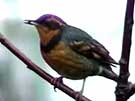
<point>123,86</point>
<point>39,71</point>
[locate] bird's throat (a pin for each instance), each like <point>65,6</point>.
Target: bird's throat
<point>48,41</point>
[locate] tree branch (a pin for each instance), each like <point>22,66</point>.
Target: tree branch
<point>40,72</point>
<point>123,86</point>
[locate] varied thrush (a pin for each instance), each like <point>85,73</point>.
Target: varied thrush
<point>70,51</point>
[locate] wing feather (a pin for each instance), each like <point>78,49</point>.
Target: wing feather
<point>93,49</point>
<point>82,43</point>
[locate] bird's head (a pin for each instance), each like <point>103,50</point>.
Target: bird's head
<point>48,26</point>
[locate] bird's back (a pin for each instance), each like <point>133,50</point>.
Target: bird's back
<point>89,47</point>
<point>70,33</point>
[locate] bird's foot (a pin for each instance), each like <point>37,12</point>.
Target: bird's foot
<point>81,91</point>
<point>56,82</point>
<point>78,96</point>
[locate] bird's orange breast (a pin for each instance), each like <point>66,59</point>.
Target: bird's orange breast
<point>65,61</point>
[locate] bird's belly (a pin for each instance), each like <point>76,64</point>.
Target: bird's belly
<point>67,63</point>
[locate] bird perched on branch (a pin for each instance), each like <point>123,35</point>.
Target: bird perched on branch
<point>70,51</point>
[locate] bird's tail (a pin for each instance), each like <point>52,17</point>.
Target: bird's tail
<point>107,73</point>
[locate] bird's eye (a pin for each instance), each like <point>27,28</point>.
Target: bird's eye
<point>52,25</point>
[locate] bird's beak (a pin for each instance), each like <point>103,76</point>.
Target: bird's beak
<point>31,22</point>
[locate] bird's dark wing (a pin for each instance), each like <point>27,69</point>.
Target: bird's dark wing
<point>84,44</point>
<point>93,49</point>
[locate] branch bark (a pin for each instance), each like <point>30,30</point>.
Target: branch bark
<point>123,86</point>
<point>40,72</point>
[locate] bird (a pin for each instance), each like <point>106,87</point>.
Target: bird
<point>72,52</point>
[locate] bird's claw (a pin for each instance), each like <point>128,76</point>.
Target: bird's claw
<point>56,82</point>
<point>78,96</point>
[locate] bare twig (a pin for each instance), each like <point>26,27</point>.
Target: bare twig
<point>123,86</point>
<point>41,72</point>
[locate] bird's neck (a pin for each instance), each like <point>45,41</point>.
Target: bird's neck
<point>48,39</point>
<point>46,34</point>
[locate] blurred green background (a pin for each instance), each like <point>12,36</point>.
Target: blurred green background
<point>102,19</point>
